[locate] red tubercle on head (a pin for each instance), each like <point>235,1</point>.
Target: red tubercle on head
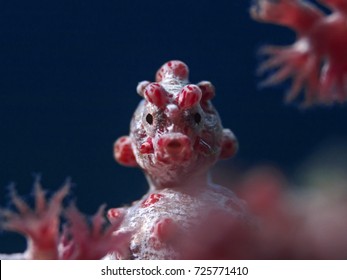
<point>156,94</point>
<point>189,96</point>
<point>207,90</point>
<point>152,199</point>
<point>141,87</point>
<point>147,146</point>
<point>229,144</point>
<point>123,151</point>
<point>174,68</point>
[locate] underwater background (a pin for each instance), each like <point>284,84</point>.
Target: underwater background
<point>68,76</point>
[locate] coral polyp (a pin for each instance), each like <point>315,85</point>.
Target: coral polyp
<point>317,60</point>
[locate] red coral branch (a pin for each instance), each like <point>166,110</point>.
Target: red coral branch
<point>317,61</point>
<point>39,225</point>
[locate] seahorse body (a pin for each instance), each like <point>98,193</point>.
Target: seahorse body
<point>175,136</point>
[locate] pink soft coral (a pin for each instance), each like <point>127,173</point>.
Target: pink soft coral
<point>41,227</point>
<point>317,61</point>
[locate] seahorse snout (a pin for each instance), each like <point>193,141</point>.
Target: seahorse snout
<point>174,147</point>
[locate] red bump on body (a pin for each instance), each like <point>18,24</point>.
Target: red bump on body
<point>165,229</point>
<point>153,198</point>
<point>207,90</point>
<point>123,151</point>
<point>189,96</point>
<point>229,144</point>
<point>115,214</point>
<point>147,147</point>
<point>173,69</point>
<point>155,94</point>
<point>141,87</point>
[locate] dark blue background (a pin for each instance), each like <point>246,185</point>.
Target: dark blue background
<point>68,73</point>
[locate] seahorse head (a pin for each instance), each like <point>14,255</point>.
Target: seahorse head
<point>175,132</point>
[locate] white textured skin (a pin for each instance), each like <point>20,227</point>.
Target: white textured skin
<point>188,196</point>
<point>161,174</point>
<point>187,211</point>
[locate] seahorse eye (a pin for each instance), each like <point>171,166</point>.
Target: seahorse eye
<point>197,118</point>
<point>149,118</point>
